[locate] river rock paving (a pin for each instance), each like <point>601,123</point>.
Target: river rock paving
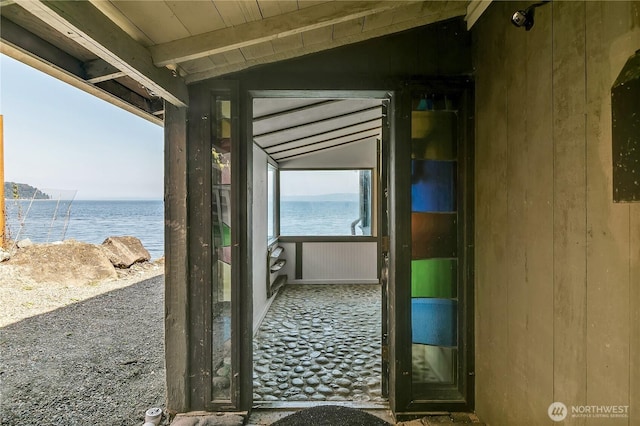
<point>320,343</point>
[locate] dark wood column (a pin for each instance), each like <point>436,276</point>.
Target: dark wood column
<point>176,299</point>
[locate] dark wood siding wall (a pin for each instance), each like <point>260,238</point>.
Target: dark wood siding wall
<point>557,262</point>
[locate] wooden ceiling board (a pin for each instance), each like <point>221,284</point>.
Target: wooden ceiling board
<point>317,128</point>
<point>198,16</point>
<point>263,107</point>
<point>234,57</point>
<point>345,29</point>
<point>250,10</point>
<point>373,130</point>
<point>120,19</point>
<point>287,43</point>
<point>257,50</point>
<point>317,36</point>
<point>311,113</point>
<point>320,147</point>
<point>270,8</point>
<point>231,12</point>
<point>155,19</point>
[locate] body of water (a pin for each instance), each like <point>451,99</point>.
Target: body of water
<point>322,218</point>
<point>94,221</point>
<point>88,221</point>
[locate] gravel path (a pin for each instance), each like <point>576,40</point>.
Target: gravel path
<point>97,359</point>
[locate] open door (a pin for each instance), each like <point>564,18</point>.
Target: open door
<point>219,316</point>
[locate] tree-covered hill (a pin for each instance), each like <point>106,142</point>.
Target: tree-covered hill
<point>14,190</point>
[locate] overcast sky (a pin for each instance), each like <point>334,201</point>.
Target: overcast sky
<point>59,137</point>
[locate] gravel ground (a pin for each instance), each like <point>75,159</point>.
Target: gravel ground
<point>81,355</point>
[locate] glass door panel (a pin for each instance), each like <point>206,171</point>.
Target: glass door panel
<point>221,144</point>
<point>434,249</point>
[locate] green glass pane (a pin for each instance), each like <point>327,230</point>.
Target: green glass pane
<point>433,135</point>
<point>434,278</point>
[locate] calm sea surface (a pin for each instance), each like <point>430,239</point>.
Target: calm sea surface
<point>88,221</point>
<point>94,221</point>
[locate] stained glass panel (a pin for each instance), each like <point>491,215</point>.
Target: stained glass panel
<point>433,186</point>
<point>434,321</point>
<point>434,278</point>
<point>433,235</point>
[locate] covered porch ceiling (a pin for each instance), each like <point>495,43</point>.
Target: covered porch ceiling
<point>137,54</point>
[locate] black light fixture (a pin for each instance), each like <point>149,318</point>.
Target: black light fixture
<point>524,18</point>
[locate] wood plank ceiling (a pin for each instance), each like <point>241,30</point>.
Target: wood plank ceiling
<point>137,53</point>
<point>288,128</point>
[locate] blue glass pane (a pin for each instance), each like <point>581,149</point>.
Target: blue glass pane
<point>433,186</point>
<point>434,322</point>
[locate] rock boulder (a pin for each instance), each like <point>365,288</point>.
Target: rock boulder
<point>70,262</point>
<point>125,251</point>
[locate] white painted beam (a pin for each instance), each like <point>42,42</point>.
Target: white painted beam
<point>252,33</point>
<point>87,26</point>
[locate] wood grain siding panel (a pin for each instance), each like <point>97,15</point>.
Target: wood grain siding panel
<point>634,317</point>
<point>340,261</point>
<point>569,137</point>
<point>608,234</point>
<point>176,318</point>
<point>538,224</point>
<point>515,256</point>
<point>491,212</point>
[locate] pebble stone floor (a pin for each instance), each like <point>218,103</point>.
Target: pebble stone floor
<point>320,343</point>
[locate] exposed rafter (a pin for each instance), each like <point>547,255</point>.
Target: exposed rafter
<point>87,26</point>
<point>252,33</point>
<point>99,70</point>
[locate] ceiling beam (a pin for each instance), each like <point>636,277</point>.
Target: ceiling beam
<point>29,42</point>
<point>99,70</point>
<point>255,32</point>
<point>87,26</point>
<point>426,16</point>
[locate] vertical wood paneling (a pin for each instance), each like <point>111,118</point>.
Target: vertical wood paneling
<point>569,138</point>
<point>515,256</point>
<point>607,224</point>
<point>634,317</point>
<point>491,210</point>
<point>573,267</point>
<point>538,221</point>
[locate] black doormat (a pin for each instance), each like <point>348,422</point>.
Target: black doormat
<point>330,415</point>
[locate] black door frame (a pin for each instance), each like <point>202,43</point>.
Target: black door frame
<point>398,300</point>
